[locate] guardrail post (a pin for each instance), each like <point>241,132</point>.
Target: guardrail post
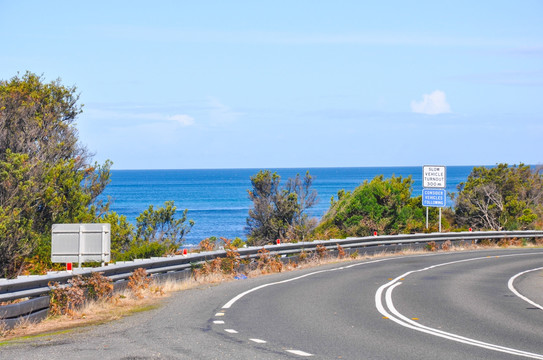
<point>80,246</point>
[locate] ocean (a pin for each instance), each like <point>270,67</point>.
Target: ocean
<point>217,200</point>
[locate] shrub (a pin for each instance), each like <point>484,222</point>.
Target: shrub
<point>446,246</point>
<point>266,263</point>
<point>486,242</point>
<point>431,246</point>
<point>208,244</point>
<point>503,243</point>
<point>99,286</point>
<point>230,263</point>
<point>66,298</point>
<point>500,198</point>
<point>144,250</point>
<point>122,233</point>
<point>383,205</point>
<point>320,251</point>
<point>139,282</point>
<point>279,212</point>
<point>238,243</point>
<point>340,252</point>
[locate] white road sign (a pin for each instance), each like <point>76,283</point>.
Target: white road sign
<point>434,176</point>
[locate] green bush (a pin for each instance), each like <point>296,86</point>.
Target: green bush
<point>144,250</point>
<point>500,198</point>
<point>382,205</point>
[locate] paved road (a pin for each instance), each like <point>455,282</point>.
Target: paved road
<point>444,306</point>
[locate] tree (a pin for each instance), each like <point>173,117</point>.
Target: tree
<point>500,198</point>
<point>122,233</point>
<point>46,175</point>
<point>279,213</point>
<point>302,224</point>
<point>382,205</point>
<point>161,226</point>
<point>157,232</point>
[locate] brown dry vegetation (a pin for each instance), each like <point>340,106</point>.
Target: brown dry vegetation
<point>145,294</point>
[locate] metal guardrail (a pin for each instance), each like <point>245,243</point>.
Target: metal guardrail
<point>179,266</point>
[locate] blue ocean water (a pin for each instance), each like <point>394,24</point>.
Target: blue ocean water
<point>217,199</point>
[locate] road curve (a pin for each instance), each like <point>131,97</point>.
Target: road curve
<point>436,306</point>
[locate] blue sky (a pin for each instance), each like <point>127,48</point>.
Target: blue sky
<point>263,84</point>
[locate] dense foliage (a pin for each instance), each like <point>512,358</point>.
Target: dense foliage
<point>279,212</point>
<point>381,205</point>
<point>500,198</point>
<point>157,232</point>
<point>46,176</point>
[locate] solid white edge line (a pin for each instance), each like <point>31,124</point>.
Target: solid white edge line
<point>404,321</point>
<point>239,296</point>
<point>299,353</point>
<point>450,336</point>
<point>514,290</point>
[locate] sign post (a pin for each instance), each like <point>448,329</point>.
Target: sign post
<point>434,180</point>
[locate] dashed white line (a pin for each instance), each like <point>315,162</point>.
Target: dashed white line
<point>218,322</point>
<point>231,331</point>
<point>299,353</point>
<point>258,341</point>
<point>219,314</point>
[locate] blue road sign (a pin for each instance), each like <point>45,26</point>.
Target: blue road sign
<point>434,197</point>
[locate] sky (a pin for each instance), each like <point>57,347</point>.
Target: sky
<point>274,84</point>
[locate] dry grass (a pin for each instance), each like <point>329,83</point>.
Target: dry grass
<point>91,313</point>
<point>150,294</point>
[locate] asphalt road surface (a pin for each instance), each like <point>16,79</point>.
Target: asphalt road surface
<point>462,305</point>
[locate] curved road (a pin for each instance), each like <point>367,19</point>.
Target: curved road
<point>437,306</point>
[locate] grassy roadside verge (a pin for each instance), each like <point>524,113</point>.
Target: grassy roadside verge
<point>150,297</point>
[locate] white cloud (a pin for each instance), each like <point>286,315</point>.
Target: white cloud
<point>221,113</point>
<point>431,104</point>
<point>182,119</point>
<point>133,115</point>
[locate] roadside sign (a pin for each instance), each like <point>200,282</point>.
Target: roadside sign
<point>79,243</point>
<point>434,176</point>
<point>434,197</point>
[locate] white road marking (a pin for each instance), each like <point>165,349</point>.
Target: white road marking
<point>218,322</point>
<point>299,353</point>
<point>400,319</point>
<point>231,331</point>
<point>229,304</point>
<point>239,296</point>
<point>258,341</point>
<point>514,291</point>
<point>386,314</point>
